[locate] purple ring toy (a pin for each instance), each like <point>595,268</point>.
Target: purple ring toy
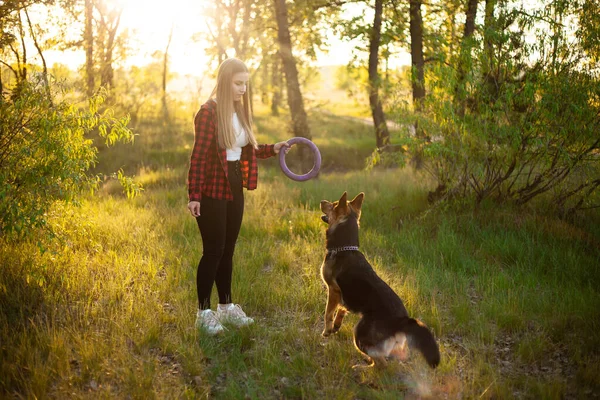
<point>317,160</point>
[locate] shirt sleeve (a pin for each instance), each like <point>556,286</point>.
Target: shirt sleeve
<point>204,132</point>
<point>265,150</point>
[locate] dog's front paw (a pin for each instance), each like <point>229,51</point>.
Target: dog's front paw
<point>327,332</point>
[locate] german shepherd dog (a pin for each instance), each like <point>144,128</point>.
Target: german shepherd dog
<point>352,285</point>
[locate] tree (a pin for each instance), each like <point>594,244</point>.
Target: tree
<point>18,31</point>
<point>416,53</point>
<point>88,40</point>
<point>299,119</point>
<point>230,25</point>
<point>165,109</point>
<point>276,84</point>
<point>248,29</point>
<point>387,27</point>
<point>45,150</point>
<point>464,61</point>
<point>13,40</point>
<point>109,19</point>
<point>382,134</point>
<point>101,39</point>
<point>489,30</point>
<point>38,47</point>
<point>521,123</point>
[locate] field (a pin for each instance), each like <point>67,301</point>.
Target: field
<point>107,309</point>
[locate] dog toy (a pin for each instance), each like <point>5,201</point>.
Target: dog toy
<point>316,156</point>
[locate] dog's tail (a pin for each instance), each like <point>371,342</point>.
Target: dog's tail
<point>421,338</point>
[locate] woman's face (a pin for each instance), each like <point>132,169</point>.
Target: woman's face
<point>239,85</point>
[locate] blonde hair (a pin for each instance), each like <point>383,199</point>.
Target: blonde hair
<point>226,106</point>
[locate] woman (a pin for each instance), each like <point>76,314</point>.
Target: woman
<point>223,161</point>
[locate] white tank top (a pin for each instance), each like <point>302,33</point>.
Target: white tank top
<point>241,140</point>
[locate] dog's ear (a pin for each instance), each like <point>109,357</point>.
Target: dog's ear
<point>342,205</point>
<point>356,203</point>
<point>343,200</point>
<point>326,206</point>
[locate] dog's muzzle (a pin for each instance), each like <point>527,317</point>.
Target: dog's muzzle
<point>325,218</point>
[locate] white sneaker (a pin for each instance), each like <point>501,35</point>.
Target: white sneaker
<point>233,314</point>
<point>208,321</point>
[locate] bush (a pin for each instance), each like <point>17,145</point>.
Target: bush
<point>45,153</point>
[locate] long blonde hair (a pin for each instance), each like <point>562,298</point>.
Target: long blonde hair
<point>226,106</point>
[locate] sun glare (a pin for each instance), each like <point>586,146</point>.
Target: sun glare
<point>151,22</point>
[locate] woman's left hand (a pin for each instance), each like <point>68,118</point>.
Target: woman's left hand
<point>279,145</point>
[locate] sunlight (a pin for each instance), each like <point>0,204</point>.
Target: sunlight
<point>153,16</point>
<point>150,23</point>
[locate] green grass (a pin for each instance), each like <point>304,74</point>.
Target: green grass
<point>108,308</point>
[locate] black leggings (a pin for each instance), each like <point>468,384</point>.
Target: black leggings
<point>219,224</point>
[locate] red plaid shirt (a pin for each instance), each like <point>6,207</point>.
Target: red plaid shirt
<point>208,163</point>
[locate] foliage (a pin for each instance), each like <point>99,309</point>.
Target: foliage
<point>248,30</point>
<point>522,122</point>
<point>46,152</point>
<point>38,25</point>
<point>137,91</point>
<point>358,26</point>
<point>352,80</point>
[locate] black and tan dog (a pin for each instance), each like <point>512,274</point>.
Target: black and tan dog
<point>385,327</point>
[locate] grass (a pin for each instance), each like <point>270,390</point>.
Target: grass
<point>108,309</point>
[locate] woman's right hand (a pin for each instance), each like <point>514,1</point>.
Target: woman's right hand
<point>194,207</point>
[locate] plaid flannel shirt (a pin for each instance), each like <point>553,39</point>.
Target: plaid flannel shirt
<point>208,163</point>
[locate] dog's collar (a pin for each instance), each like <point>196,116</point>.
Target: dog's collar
<point>334,251</point>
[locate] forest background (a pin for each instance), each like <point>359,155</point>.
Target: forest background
<point>471,125</point>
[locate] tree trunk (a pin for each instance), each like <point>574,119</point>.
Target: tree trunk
<point>251,96</point>
<point>107,74</point>
<point>23,66</point>
<point>276,84</point>
<point>451,13</point>
<point>465,57</point>
<point>218,39</point>
<point>240,34</point>
<point>382,134</point>
<point>299,119</point>
<point>488,43</point>
<point>416,53</point>
<point>264,80</point>
<point>489,28</point>
<point>470,22</point>
<point>88,39</point>
<point>165,109</point>
<point>40,53</point>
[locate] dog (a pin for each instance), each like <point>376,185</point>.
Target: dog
<point>352,285</point>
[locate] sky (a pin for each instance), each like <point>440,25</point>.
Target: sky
<point>150,22</point>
